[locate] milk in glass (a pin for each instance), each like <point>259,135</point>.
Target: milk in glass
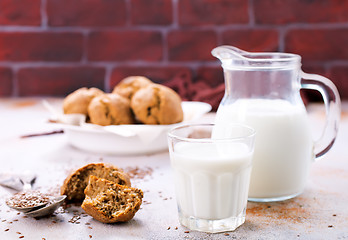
<point>211,179</point>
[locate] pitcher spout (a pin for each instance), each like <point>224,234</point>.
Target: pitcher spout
<point>229,52</point>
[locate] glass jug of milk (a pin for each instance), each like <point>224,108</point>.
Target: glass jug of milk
<point>263,91</point>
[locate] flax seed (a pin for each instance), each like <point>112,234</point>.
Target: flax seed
<point>187,232</point>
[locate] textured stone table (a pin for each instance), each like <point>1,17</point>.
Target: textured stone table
<point>321,212</point>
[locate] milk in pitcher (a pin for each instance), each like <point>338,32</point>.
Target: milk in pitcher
<point>283,145</point>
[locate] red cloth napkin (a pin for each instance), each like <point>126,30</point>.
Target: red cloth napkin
<point>196,91</point>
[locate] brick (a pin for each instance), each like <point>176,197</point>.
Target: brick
<point>40,46</point>
<point>212,12</point>
<point>20,12</point>
<point>191,45</point>
<point>58,81</point>
<point>318,44</point>
<point>252,40</point>
<point>300,11</point>
<point>159,12</point>
<point>125,46</point>
<point>339,75</point>
<point>156,74</point>
<point>87,13</point>
<point>6,83</point>
<point>213,76</point>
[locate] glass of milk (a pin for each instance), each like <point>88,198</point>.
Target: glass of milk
<point>211,175</point>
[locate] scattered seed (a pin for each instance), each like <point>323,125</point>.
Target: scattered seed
<point>21,237</point>
<point>176,228</point>
<point>43,238</point>
<point>87,223</point>
<point>25,216</point>
<point>54,221</point>
<point>330,226</point>
<point>4,220</point>
<point>18,232</point>
<point>226,234</point>
<point>16,220</point>
<point>90,236</point>
<point>165,198</point>
<point>90,227</point>
<point>168,228</point>
<point>18,213</point>
<point>10,222</point>
<point>187,232</point>
<point>7,229</point>
<point>334,215</point>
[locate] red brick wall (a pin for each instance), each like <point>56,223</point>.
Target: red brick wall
<point>51,47</point>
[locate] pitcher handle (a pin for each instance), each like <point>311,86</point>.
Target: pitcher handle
<point>332,108</point>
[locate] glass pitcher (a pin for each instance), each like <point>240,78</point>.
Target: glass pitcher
<point>263,91</point>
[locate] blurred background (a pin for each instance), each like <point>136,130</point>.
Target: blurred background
<point>53,47</point>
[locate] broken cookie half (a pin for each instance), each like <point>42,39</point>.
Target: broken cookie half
<point>109,202</point>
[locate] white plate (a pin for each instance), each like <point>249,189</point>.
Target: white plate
<point>128,139</point>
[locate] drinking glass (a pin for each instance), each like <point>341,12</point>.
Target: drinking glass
<point>211,175</point>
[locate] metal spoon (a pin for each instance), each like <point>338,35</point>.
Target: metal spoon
<point>18,182</point>
<point>50,207</point>
<point>27,209</point>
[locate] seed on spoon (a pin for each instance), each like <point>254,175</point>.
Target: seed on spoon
<point>27,199</point>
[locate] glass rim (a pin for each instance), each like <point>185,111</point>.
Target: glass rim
<point>250,134</point>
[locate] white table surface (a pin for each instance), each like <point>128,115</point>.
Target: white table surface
<point>321,212</point>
